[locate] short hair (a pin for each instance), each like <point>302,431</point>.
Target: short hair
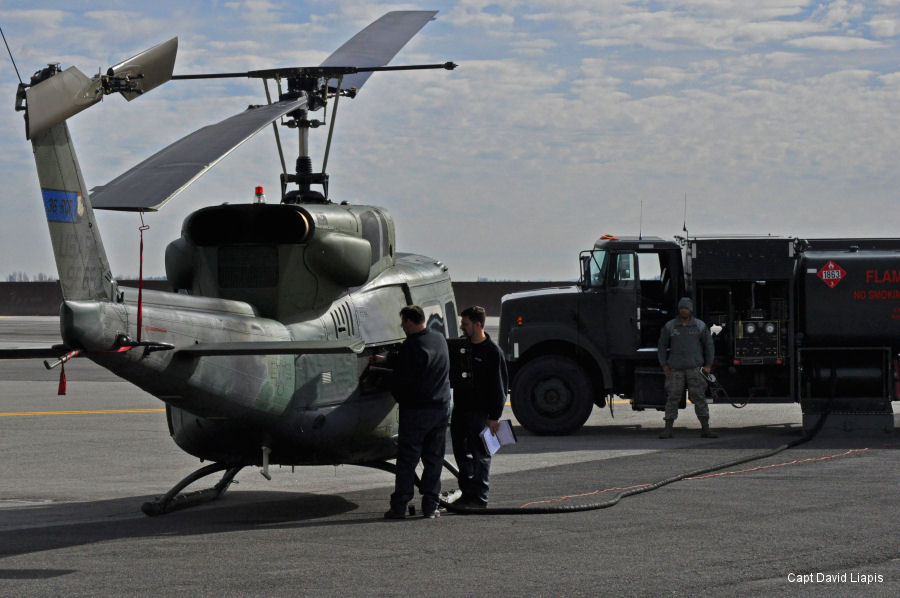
<point>413,313</point>
<point>475,313</point>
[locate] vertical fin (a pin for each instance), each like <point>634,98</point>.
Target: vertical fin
<point>81,261</point>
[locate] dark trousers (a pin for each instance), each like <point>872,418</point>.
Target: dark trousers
<point>422,435</point>
<point>472,458</point>
<point>696,385</point>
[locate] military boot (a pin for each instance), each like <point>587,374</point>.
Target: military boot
<point>667,433</point>
<point>704,432</point>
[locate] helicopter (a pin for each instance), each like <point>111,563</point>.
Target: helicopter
<point>261,354</point>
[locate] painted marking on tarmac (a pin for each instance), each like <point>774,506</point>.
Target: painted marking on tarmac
<point>710,475</point>
<point>773,465</point>
<point>93,412</point>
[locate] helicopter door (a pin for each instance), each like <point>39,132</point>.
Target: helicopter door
<point>623,316</point>
<point>378,313</point>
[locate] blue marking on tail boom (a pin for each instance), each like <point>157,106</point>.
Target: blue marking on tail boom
<point>61,206</point>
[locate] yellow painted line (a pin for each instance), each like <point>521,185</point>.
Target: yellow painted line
<point>98,411</point>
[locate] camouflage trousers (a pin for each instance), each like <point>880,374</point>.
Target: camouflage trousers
<point>696,386</point>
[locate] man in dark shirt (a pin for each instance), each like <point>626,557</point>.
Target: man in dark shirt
<point>478,401</point>
<point>420,383</point>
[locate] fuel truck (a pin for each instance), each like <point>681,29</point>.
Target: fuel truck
<point>812,321</point>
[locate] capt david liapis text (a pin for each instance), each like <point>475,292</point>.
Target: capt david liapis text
<point>851,577</point>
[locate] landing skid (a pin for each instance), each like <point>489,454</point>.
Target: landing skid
<point>173,500</point>
<point>391,468</point>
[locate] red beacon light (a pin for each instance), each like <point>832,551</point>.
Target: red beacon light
<point>260,195</point>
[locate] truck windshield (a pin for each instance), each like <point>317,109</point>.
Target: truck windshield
<point>594,267</point>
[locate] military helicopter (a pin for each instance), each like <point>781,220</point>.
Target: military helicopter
<point>261,355</point>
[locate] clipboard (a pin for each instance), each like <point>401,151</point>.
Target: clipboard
<point>504,436</point>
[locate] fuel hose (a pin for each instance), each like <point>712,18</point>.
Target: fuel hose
<point>545,510</point>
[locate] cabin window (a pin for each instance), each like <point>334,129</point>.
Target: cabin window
<point>372,232</point>
<point>434,318</point>
<point>623,271</point>
<point>386,248</point>
<point>450,310</point>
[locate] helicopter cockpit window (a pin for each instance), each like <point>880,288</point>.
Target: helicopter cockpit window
<point>593,266</point>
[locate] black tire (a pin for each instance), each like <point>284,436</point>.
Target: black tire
<point>552,395</point>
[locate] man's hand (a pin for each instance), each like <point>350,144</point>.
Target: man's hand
<point>379,359</point>
<point>707,369</point>
<point>494,425</point>
<point>667,370</point>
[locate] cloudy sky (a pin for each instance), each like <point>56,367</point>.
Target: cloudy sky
<point>563,119</point>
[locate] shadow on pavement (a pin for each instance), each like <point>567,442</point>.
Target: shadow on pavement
<point>236,511</point>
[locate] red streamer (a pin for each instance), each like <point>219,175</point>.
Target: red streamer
<point>62,380</point>
<point>140,314</point>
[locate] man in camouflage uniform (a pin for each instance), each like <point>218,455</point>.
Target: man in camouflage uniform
<point>685,345</point>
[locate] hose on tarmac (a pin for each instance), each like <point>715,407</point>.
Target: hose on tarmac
<point>545,510</point>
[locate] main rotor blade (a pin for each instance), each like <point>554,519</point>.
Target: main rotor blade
<point>378,43</point>
<point>159,178</point>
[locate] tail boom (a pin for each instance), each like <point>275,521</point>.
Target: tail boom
<point>84,272</point>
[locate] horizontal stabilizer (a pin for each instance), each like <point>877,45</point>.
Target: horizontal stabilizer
<point>378,43</point>
<point>274,348</point>
<point>162,176</point>
<point>19,352</point>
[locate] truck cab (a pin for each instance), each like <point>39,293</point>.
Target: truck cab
<point>813,321</point>
<point>569,348</point>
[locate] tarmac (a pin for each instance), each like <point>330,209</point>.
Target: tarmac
<point>818,519</point>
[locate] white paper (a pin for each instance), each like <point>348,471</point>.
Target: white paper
<point>504,436</point>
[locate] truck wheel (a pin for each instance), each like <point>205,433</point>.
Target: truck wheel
<point>552,395</point>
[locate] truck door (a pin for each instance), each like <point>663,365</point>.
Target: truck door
<point>656,295</point>
<point>623,324</point>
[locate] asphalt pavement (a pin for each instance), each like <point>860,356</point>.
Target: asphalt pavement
<point>814,520</point>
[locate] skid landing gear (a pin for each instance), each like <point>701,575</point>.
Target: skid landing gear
<point>173,500</point>
<point>391,468</point>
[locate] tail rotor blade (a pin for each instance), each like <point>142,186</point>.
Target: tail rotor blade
<point>63,94</point>
<point>154,65</point>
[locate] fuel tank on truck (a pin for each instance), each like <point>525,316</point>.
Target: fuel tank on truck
<point>850,298</point>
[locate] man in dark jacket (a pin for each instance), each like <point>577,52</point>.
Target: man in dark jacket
<point>685,345</point>
<point>420,383</point>
<point>478,401</point>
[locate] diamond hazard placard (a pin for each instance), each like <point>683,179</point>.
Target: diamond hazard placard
<point>831,274</point>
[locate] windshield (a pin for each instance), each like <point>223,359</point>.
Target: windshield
<point>593,265</point>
